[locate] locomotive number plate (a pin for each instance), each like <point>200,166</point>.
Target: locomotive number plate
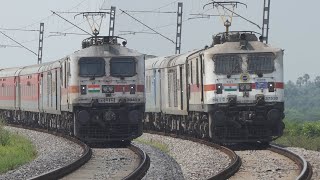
<point>107,100</point>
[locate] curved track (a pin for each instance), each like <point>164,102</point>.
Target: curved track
<point>302,172</point>
<point>113,163</point>
<point>224,174</point>
<point>270,162</point>
<point>138,171</point>
<point>304,166</point>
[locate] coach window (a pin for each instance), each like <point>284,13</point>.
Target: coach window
<point>91,67</point>
<point>122,67</point>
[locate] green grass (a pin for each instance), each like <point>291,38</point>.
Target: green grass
<point>300,141</point>
<point>15,150</point>
<point>162,147</point>
<point>304,134</point>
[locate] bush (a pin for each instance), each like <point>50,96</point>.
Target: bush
<point>311,129</point>
<point>301,134</point>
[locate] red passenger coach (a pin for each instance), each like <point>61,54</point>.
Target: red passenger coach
<point>95,94</point>
<point>7,89</point>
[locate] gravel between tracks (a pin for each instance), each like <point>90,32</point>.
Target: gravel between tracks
<point>52,152</point>
<point>107,163</point>
<point>162,166</point>
<point>197,161</point>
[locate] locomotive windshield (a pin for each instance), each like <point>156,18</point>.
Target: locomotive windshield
<point>92,67</point>
<point>261,63</point>
<point>227,64</point>
<point>122,67</point>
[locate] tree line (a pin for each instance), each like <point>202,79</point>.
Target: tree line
<point>302,99</point>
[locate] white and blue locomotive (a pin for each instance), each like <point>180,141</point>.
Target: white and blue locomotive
<point>232,91</point>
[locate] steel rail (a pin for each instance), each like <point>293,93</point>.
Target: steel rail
<point>62,171</point>
<point>305,167</point>
<point>143,167</point>
<point>226,173</point>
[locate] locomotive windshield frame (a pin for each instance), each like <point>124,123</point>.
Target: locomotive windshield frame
<point>123,67</point>
<point>92,67</point>
<point>227,64</point>
<point>261,63</point>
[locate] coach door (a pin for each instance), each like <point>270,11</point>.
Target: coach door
<point>18,92</point>
<point>182,86</point>
<point>41,92</point>
<point>58,89</point>
<point>201,79</point>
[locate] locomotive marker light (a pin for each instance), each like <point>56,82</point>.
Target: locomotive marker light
<point>83,89</point>
<point>271,86</point>
<point>219,88</point>
<point>132,88</point>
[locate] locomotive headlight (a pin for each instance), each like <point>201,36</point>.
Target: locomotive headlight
<point>132,88</point>
<point>271,86</point>
<point>245,87</point>
<point>107,89</point>
<point>83,89</point>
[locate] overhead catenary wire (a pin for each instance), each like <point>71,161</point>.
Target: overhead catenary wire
<point>156,12</point>
<point>8,45</point>
<point>71,23</point>
<point>236,14</point>
<point>18,29</point>
<point>148,26</point>
<point>19,43</point>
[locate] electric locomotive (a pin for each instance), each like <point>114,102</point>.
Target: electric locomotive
<point>95,94</point>
<point>232,91</point>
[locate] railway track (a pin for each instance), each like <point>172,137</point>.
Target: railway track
<point>239,167</point>
<point>231,169</point>
<point>304,166</point>
<point>92,160</point>
<point>113,163</point>
<point>270,162</point>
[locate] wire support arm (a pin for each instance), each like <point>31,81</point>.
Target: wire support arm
<point>71,23</point>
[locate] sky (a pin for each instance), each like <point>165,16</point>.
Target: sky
<point>294,27</point>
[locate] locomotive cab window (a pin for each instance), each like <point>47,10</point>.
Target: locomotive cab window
<point>227,64</point>
<point>92,67</point>
<point>122,67</point>
<point>261,63</point>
